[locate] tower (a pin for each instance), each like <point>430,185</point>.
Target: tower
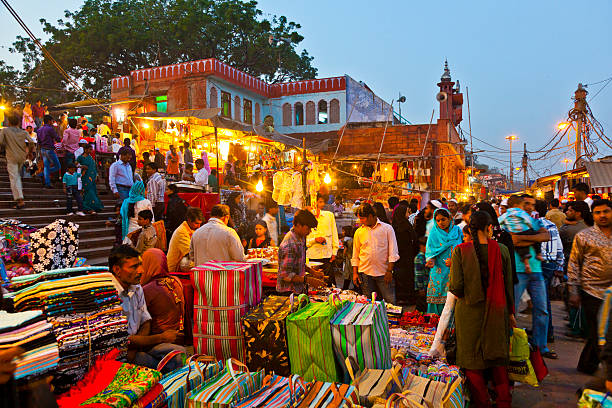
<point>450,98</point>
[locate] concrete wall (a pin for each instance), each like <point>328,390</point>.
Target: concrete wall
<point>242,93</point>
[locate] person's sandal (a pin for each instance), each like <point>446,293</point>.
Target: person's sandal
<point>550,355</point>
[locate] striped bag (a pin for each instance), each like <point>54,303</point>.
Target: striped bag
<point>374,386</point>
<point>329,395</point>
<point>309,341</point>
<point>433,394</point>
<point>226,388</point>
<point>361,331</point>
<point>180,381</point>
<point>277,392</point>
<point>223,293</point>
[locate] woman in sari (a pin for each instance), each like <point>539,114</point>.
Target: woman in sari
<point>91,202</point>
<point>481,279</point>
<point>444,236</point>
<point>163,294</point>
<point>131,206</point>
<point>28,119</point>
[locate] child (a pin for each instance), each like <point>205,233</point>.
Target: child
<point>347,240</point>
<point>188,172</point>
<point>516,220</point>
<point>71,188</point>
<point>467,237</point>
<point>148,236</point>
<point>421,275</point>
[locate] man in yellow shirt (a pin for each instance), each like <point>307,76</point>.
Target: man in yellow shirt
<point>181,238</point>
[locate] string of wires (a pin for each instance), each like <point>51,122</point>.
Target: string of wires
<point>50,58</point>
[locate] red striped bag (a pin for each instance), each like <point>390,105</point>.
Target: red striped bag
<point>223,293</point>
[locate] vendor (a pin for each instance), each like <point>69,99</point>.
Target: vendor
<point>292,267</point>
<point>178,249</point>
<point>144,348</point>
<point>262,236</point>
<point>322,242</point>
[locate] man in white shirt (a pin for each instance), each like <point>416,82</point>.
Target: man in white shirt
<point>201,177</point>
<point>215,240</point>
<point>374,254</point>
<point>322,242</point>
<point>581,193</point>
<point>156,190</point>
<point>270,219</point>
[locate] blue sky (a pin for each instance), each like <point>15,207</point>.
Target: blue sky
<point>522,60</point>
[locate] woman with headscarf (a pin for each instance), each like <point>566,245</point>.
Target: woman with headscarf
<point>91,202</point>
<point>403,270</point>
<point>135,203</point>
<point>28,118</point>
<point>443,238</point>
<point>163,294</point>
<point>380,212</point>
<point>481,279</point>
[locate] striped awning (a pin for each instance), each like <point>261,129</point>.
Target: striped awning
<point>600,174</point>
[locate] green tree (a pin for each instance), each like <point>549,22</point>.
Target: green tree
<point>9,77</point>
<point>107,38</point>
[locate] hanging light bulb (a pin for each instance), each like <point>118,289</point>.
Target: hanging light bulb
<point>327,178</point>
<point>259,186</point>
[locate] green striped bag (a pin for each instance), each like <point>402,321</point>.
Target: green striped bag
<point>226,388</point>
<point>361,331</point>
<point>309,341</point>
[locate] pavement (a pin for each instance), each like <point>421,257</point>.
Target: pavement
<point>559,388</point>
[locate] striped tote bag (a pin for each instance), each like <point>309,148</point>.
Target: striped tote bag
<point>309,341</point>
<point>276,392</point>
<point>329,395</point>
<point>361,331</point>
<point>180,381</point>
<point>223,293</point>
<point>226,388</point>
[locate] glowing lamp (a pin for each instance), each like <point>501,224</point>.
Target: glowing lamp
<point>2,107</point>
<point>354,166</point>
<point>327,178</point>
<point>467,189</point>
<point>563,125</point>
<point>511,137</point>
<point>259,186</point>
<point>145,126</point>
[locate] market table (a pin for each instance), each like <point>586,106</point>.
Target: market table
<point>204,201</point>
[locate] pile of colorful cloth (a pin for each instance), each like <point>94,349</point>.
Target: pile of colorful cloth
<point>31,332</point>
<point>15,248</point>
<point>84,310</point>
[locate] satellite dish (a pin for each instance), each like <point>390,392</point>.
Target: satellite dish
<point>441,97</point>
<point>402,99</point>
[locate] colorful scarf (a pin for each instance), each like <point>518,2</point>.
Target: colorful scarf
<point>136,194</point>
<point>439,240</point>
<point>494,322</point>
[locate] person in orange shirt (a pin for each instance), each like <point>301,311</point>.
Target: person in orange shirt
<point>172,163</point>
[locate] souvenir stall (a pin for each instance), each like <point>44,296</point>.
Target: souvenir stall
<point>598,175</point>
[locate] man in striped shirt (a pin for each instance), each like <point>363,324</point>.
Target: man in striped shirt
<point>156,189</point>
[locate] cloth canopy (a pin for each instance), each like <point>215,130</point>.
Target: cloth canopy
<point>601,176</point>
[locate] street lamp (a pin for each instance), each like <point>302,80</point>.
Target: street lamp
<point>563,125</point>
<point>566,161</point>
<point>511,138</point>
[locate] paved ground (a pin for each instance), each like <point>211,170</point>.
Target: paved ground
<point>559,388</point>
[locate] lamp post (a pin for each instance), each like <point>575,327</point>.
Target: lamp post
<point>511,138</point>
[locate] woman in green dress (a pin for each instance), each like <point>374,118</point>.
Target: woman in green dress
<point>91,202</point>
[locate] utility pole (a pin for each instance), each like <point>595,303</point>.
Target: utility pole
<point>467,94</point>
<point>578,114</point>
<point>511,138</point>
<point>525,166</point>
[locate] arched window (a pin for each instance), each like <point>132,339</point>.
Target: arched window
<point>237,109</point>
<point>247,116</point>
<point>269,121</point>
<point>311,113</point>
<point>322,112</point>
<point>286,114</point>
<point>334,111</point>
<point>257,113</point>
<point>214,98</point>
<point>299,114</point>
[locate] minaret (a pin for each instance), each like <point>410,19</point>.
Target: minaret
<point>451,105</point>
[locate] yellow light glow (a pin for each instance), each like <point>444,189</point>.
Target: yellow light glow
<point>2,107</point>
<point>199,147</point>
<point>518,169</point>
<point>206,145</point>
<point>145,126</point>
<point>327,178</point>
<point>259,186</point>
<point>540,193</point>
<point>512,137</point>
<point>224,147</point>
<point>566,160</point>
<point>253,148</point>
<point>467,189</point>
<point>354,166</point>
<point>299,158</point>
<point>176,139</point>
<point>563,125</point>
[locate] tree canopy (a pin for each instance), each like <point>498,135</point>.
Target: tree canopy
<point>108,38</point>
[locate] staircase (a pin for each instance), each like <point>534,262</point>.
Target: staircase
<point>45,206</point>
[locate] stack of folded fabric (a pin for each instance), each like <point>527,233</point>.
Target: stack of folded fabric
<point>30,331</point>
<point>85,312</point>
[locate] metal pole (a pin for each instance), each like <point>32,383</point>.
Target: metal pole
<point>217,151</point>
<point>525,166</point>
<point>304,167</point>
<point>511,168</point>
<point>467,94</point>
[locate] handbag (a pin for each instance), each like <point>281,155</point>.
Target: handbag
<point>432,393</point>
<point>329,395</point>
<point>226,388</point>
<point>519,367</point>
<point>361,331</point>
<point>538,363</point>
<point>374,386</point>
<point>179,382</point>
<point>309,340</point>
<point>276,392</point>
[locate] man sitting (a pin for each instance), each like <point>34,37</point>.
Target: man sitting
<point>144,348</point>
